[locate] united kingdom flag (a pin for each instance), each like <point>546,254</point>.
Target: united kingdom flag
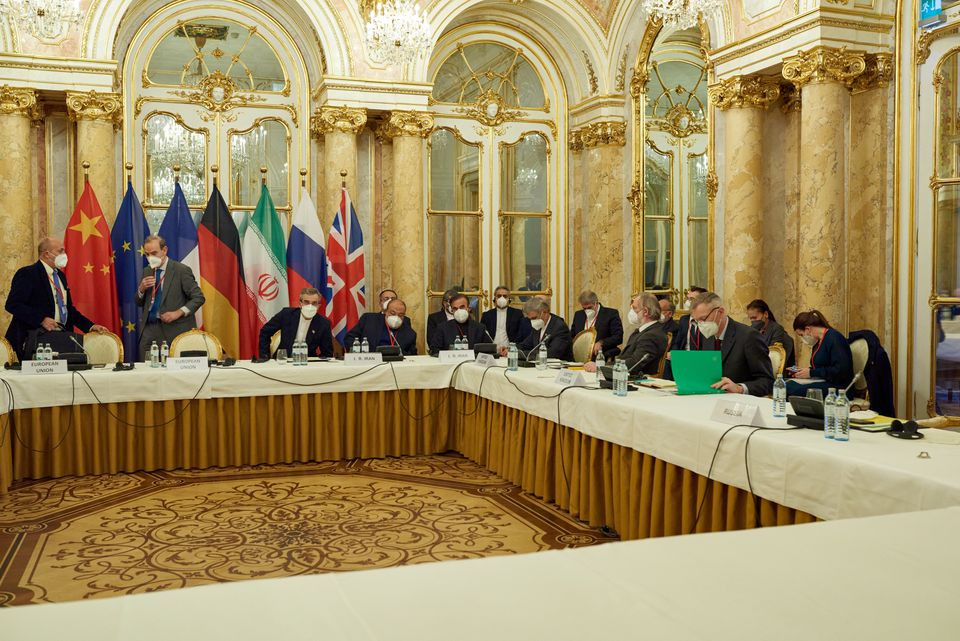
<point>346,275</point>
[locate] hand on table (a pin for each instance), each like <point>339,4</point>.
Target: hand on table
<point>802,373</point>
<point>590,367</point>
<point>728,386</point>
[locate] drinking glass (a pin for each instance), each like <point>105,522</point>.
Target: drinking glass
<point>815,393</point>
<point>281,356</point>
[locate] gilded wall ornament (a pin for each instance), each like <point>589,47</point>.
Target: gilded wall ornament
<point>490,109</point>
<point>92,105</point>
<point>927,38</point>
<point>758,92</point>
<point>217,93</point>
<point>19,101</point>
<point>622,71</point>
<point>791,98</point>
<point>591,75</point>
<point>348,120</point>
<point>405,123</point>
<point>878,72</point>
<point>679,121</point>
<point>713,185</point>
<point>638,84</point>
<point>824,64</point>
<point>598,133</point>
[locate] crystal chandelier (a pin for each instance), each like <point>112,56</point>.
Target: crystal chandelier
<point>397,33</point>
<point>43,19</point>
<point>681,14</point>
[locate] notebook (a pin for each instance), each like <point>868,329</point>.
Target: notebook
<point>696,371</point>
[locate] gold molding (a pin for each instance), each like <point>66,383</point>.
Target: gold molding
<point>94,105</point>
<point>22,102</point>
<point>878,73</point>
<point>758,92</point>
<point>713,185</point>
<point>927,38</point>
<point>405,123</point>
<point>348,120</point>
<point>824,64</point>
<point>591,74</point>
<point>611,132</point>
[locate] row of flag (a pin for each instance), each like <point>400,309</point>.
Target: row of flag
<point>247,273</point>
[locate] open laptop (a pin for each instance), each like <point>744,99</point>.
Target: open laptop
<point>695,371</point>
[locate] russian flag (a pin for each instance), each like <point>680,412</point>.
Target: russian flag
<point>306,256</point>
<point>180,233</point>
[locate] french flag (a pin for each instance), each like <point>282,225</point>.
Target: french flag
<point>306,256</point>
<point>180,232</point>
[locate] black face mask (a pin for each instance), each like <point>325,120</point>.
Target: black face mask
<point>758,325</point>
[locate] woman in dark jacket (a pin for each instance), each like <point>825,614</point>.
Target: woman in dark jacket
<point>763,320</point>
<point>831,359</point>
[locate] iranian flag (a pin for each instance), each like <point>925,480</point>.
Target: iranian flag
<point>265,258</point>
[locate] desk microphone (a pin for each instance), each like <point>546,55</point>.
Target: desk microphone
<point>543,340</point>
<point>487,332</point>
<point>856,377</point>
<point>80,345</point>
<point>643,359</point>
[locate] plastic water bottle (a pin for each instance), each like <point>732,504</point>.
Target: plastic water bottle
<point>601,362</point>
<point>620,378</point>
<point>302,353</point>
<point>41,352</point>
<point>365,346</point>
<point>164,353</point>
<point>355,347</point>
<point>841,418</point>
<point>50,353</point>
<point>779,397</point>
<point>829,414</point>
<point>154,355</point>
<point>513,356</point>
<point>542,357</point>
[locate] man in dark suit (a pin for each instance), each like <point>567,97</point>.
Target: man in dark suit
<point>459,327</point>
<point>647,344</point>
<point>547,327</point>
<point>746,360</point>
<point>39,298</point>
<point>168,296</point>
<point>299,324</point>
<point>687,337</point>
<point>504,323</point>
<point>440,317</point>
<point>605,320</point>
<point>667,312</point>
<point>390,328</point>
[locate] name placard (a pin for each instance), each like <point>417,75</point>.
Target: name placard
<point>486,360</point>
<point>735,412</point>
<point>187,363</point>
<point>363,358</point>
<point>569,377</point>
<point>44,367</point>
<point>456,355</point>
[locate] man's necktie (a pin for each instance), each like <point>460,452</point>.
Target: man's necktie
<point>719,344</point>
<point>157,294</point>
<point>61,302</point>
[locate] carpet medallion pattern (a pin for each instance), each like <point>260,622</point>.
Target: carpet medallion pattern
<point>75,538</point>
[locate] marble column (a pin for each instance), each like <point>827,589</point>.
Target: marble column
<point>339,127</point>
<point>98,116</point>
<point>742,101</point>
<point>409,129</point>
<point>17,237</point>
<point>868,189</point>
<point>823,76</point>
<point>792,263</point>
<point>575,247</point>
<point>603,211</point>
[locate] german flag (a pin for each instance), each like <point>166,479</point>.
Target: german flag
<point>230,312</point>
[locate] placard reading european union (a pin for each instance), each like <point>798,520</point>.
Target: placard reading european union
<point>456,355</point>
<point>735,412</point>
<point>363,358</point>
<point>485,360</point>
<point>44,367</point>
<point>187,363</point>
<point>569,377</point>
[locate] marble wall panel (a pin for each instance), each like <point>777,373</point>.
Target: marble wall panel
<point>406,228</point>
<point>17,240</point>
<point>339,152</point>
<point>96,144</point>
<point>608,275</point>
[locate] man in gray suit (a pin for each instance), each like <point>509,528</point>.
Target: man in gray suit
<point>168,297</point>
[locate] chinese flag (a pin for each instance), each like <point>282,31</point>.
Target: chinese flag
<point>93,285</point>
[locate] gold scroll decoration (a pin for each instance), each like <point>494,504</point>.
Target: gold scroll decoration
<point>349,120</point>
<point>405,123</point>
<point>745,91</point>
<point>824,64</point>
<point>598,133</point>
<point>93,105</point>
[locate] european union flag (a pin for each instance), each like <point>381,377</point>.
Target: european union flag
<point>129,231</point>
<point>180,233</point>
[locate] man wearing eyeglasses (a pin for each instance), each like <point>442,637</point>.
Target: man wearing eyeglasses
<point>744,355</point>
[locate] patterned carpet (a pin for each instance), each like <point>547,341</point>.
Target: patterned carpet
<point>100,536</point>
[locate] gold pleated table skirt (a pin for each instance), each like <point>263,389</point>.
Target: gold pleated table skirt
<point>599,482</point>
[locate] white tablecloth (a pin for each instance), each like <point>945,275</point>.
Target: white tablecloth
<point>892,577</point>
<point>871,474</point>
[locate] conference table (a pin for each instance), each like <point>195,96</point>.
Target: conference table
<point>651,463</point>
<point>882,578</point>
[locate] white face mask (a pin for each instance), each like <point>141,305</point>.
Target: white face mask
<point>60,261</point>
<point>384,304</point>
<point>502,302</point>
<point>537,324</point>
<point>809,340</point>
<point>394,321</point>
<point>308,311</point>
<point>590,312</point>
<point>633,317</point>
<point>663,317</point>
<point>687,303</point>
<point>461,315</point>
<point>708,328</point>
<point>154,261</point>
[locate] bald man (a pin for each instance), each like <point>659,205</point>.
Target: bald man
<point>40,299</point>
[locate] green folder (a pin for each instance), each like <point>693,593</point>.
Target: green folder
<point>695,371</point>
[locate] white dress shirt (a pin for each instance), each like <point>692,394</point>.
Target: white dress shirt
<point>302,328</point>
<point>500,337</point>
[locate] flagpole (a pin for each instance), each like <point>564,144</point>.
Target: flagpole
<point>129,168</point>
<point>86,171</point>
<point>176,173</point>
<point>303,177</point>
<point>263,174</point>
<point>214,169</point>
<point>343,178</point>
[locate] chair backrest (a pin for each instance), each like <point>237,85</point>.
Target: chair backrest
<point>274,343</point>
<point>583,345</point>
<point>778,358</point>
<point>103,348</point>
<point>663,359</point>
<point>197,340</point>
<point>861,352</point>
<point>7,355</point>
